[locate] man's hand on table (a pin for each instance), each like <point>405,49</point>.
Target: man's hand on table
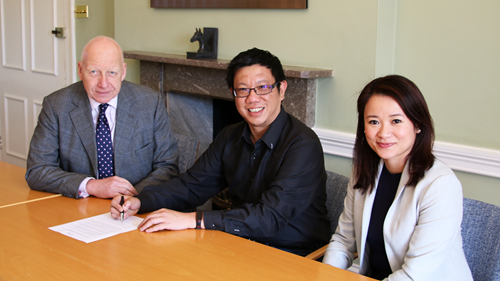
<point>110,187</point>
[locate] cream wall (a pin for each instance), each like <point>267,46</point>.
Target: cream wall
<point>101,21</point>
<point>451,50</point>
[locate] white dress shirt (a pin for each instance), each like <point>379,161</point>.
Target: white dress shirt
<point>111,116</point>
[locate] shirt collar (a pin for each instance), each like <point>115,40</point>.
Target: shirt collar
<point>272,134</point>
<point>94,104</point>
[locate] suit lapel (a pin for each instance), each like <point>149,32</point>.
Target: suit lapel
<point>125,125</point>
<point>405,176</point>
<point>81,117</point>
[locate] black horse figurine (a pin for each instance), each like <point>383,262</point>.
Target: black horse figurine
<point>208,43</point>
<point>198,36</point>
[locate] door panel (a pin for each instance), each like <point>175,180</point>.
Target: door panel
<point>16,125</point>
<point>12,14</point>
<point>43,43</point>
<point>34,64</point>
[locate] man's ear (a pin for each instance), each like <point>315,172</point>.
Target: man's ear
<point>124,71</point>
<point>80,70</point>
<point>283,86</point>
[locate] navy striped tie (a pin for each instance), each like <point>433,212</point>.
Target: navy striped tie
<point>104,144</point>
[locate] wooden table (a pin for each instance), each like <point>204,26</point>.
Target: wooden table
<point>14,189</point>
<point>29,250</point>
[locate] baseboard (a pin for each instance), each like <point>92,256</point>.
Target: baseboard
<point>475,160</point>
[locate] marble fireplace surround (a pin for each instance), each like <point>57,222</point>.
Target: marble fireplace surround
<point>194,79</point>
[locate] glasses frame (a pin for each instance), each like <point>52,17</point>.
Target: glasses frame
<point>255,90</point>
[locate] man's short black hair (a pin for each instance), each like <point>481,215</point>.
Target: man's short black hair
<point>251,57</point>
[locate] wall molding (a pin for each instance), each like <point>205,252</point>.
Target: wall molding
<point>475,160</point>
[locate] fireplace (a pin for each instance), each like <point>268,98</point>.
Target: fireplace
<point>197,97</point>
<point>200,116</point>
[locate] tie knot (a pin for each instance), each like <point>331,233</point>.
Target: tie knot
<point>103,107</point>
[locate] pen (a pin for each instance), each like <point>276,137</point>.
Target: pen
<point>121,213</point>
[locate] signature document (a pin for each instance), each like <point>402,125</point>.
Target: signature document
<point>97,228</point>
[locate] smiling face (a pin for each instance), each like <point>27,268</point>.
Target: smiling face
<point>102,69</point>
<point>388,131</point>
<point>258,111</point>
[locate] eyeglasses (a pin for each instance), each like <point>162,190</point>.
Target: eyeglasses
<point>259,90</point>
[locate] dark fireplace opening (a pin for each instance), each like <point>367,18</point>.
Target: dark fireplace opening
<point>201,117</point>
<point>225,113</point>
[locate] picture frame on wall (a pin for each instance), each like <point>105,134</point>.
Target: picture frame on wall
<point>229,4</point>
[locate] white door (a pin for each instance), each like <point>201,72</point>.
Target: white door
<point>34,64</point>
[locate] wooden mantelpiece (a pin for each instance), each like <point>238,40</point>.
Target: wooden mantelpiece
<point>175,73</point>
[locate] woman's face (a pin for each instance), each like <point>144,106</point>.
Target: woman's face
<point>388,131</point>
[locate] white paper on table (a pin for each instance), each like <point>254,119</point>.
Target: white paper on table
<point>97,227</point>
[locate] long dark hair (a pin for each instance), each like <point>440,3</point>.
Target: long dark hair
<point>412,102</point>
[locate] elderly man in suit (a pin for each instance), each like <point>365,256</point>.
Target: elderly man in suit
<point>102,136</point>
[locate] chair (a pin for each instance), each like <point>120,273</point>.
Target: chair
<point>188,149</point>
<point>481,239</point>
<point>336,190</point>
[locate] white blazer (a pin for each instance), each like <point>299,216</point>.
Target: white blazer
<point>422,233</point>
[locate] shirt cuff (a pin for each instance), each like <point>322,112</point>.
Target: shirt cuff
<point>213,220</point>
<point>82,189</point>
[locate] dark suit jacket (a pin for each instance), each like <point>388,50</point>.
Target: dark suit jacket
<point>63,148</point>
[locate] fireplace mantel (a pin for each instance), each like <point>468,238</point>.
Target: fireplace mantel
<point>175,73</point>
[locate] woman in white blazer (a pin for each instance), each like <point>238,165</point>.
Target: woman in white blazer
<point>403,209</point>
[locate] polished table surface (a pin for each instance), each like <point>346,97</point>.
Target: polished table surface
<point>14,189</point>
<point>29,250</point>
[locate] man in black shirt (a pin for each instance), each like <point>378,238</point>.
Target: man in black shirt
<point>272,164</point>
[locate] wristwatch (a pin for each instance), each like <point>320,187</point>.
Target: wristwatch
<point>199,217</point>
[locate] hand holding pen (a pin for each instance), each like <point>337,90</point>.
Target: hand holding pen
<point>122,212</point>
<point>123,206</point>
